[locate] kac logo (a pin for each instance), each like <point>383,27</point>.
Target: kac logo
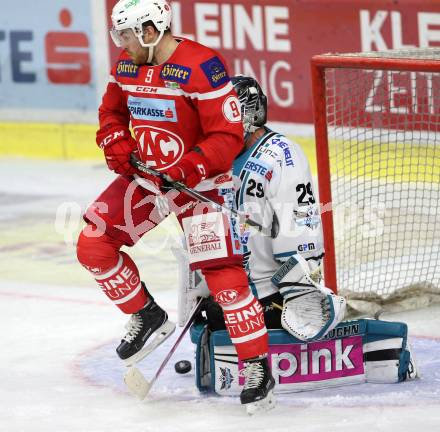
<point>159,148</point>
<point>226,297</point>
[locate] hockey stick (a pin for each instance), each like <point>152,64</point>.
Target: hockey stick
<point>135,380</point>
<point>135,162</point>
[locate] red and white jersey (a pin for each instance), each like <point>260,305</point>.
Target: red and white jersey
<point>187,101</point>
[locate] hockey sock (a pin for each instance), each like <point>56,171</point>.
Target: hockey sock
<point>114,271</point>
<point>122,285</point>
<point>244,318</point>
<point>245,324</point>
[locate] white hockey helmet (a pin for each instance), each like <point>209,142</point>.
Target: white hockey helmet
<point>131,14</point>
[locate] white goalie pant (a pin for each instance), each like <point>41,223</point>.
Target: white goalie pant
<point>310,310</point>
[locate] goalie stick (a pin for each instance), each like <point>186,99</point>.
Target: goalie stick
<point>135,380</point>
<point>135,162</point>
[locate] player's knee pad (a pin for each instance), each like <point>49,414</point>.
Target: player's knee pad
<point>97,253</point>
<point>228,284</point>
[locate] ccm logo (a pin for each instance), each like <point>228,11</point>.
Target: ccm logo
<point>226,297</point>
<point>112,137</point>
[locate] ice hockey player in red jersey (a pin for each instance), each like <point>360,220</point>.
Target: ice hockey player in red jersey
<point>177,97</point>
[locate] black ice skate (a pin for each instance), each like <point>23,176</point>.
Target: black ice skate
<point>257,394</point>
<point>147,329</point>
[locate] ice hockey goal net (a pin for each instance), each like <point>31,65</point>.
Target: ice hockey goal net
<point>377,126</point>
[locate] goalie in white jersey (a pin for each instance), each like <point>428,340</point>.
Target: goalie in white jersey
<point>276,190</point>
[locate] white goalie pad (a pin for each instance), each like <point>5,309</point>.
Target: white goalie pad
<point>310,311</point>
<point>355,352</point>
<point>192,285</point>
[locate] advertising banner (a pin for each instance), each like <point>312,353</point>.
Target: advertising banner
<point>274,40</point>
<point>54,56</point>
<point>47,61</point>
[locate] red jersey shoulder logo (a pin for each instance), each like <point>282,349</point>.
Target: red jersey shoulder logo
<point>127,68</point>
<point>215,71</point>
<point>175,72</point>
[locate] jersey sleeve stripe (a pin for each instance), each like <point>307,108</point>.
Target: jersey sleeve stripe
<point>175,92</point>
<point>217,93</point>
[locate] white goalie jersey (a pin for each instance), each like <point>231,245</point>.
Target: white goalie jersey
<point>276,190</point>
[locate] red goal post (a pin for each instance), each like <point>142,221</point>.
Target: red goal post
<point>377,129</point>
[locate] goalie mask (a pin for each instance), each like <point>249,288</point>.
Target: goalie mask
<point>129,15</point>
<point>253,102</point>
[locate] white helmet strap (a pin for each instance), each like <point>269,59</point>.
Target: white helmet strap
<point>151,46</point>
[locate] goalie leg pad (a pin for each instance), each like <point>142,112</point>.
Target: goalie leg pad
<point>191,285</point>
<point>407,367</point>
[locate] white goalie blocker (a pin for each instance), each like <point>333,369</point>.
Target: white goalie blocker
<point>310,311</point>
<point>192,285</point>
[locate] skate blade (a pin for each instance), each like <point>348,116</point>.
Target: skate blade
<point>136,383</point>
<point>263,405</point>
<point>159,336</point>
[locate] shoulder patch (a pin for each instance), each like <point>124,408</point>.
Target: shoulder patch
<point>175,72</point>
<point>215,71</point>
<point>284,146</point>
<point>127,68</point>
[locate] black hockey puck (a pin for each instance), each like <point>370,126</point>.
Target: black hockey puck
<point>182,366</point>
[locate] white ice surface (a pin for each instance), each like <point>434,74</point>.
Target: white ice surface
<point>58,370</point>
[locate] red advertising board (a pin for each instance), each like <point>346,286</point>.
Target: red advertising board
<point>274,40</point>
